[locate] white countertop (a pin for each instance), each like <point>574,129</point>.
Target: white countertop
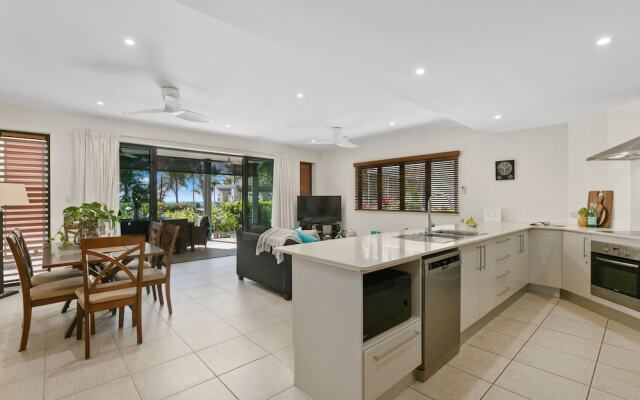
<point>372,252</point>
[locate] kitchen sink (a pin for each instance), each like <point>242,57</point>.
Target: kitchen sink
<point>455,232</point>
<point>439,236</point>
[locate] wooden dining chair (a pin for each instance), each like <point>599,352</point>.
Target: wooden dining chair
<point>42,277</point>
<point>45,276</point>
<point>56,291</point>
<point>155,232</point>
<point>97,295</point>
<point>161,275</point>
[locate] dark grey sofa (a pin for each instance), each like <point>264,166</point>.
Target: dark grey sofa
<point>263,269</point>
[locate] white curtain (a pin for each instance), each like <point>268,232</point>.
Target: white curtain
<point>285,190</point>
<point>96,156</point>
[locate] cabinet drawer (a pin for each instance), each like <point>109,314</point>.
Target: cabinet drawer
<point>504,288</point>
<point>504,246</point>
<point>392,359</point>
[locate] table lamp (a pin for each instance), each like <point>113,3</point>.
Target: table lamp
<point>11,194</point>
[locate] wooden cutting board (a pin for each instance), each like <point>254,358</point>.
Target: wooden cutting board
<point>603,200</point>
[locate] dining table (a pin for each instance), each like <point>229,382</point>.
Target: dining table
<point>57,255</point>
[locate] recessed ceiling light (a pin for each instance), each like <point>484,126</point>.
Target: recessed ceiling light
<point>100,103</point>
<point>300,95</point>
<point>603,41</point>
<point>392,123</point>
<point>129,42</point>
<point>420,71</point>
<point>227,126</point>
<point>498,116</point>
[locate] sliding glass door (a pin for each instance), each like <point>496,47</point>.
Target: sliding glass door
<point>135,182</point>
<point>159,183</point>
<point>257,194</point>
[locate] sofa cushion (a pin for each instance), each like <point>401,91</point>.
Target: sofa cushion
<point>305,237</point>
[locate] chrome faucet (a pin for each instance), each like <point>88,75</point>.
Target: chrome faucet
<point>429,223</point>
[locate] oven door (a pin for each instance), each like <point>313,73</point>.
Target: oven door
<point>619,276</point>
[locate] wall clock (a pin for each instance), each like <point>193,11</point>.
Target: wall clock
<point>505,170</point>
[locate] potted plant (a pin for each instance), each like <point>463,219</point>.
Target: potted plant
<point>582,217</point>
<point>85,219</point>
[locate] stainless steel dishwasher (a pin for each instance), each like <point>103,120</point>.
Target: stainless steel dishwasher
<point>441,273</point>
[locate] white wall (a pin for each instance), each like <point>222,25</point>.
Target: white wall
<point>60,125</point>
<point>539,191</point>
<point>592,135</point>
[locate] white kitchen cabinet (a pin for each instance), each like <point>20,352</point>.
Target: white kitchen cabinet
<point>471,269</point>
<point>545,257</point>
<point>576,263</point>
<point>386,362</point>
<point>521,264</point>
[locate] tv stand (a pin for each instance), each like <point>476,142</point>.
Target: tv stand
<point>335,229</point>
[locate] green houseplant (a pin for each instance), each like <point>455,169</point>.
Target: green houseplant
<point>582,217</point>
<point>85,218</point>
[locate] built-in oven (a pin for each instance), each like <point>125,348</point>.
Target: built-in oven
<point>615,273</point>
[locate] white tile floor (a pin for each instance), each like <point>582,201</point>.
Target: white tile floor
<point>233,340</point>
<point>541,348</point>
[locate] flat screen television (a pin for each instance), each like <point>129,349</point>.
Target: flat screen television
<point>319,209</point>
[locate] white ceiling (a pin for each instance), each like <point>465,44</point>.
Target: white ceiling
<point>242,62</point>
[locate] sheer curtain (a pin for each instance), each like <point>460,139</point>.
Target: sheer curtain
<point>285,190</point>
<point>96,156</point>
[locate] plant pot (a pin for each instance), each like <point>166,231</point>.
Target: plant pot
<point>582,222</point>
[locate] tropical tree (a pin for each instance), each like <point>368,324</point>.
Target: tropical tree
<point>163,185</point>
<point>197,185</point>
<point>176,181</point>
<point>133,188</point>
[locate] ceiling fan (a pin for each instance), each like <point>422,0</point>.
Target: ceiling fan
<point>340,139</point>
<point>171,97</point>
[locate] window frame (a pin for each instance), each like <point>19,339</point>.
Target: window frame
<point>401,162</point>
<point>35,253</point>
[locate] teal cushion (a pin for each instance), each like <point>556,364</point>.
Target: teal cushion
<point>305,237</point>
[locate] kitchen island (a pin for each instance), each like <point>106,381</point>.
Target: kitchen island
<point>332,361</point>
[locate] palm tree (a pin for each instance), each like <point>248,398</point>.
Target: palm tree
<point>176,181</point>
<point>163,185</point>
<point>215,180</point>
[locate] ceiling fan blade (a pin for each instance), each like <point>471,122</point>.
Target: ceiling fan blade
<point>347,145</point>
<point>151,111</point>
<point>192,116</point>
<point>322,142</point>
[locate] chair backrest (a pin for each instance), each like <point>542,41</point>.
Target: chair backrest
<point>155,231</point>
<point>168,243</point>
<point>21,264</point>
<point>22,243</point>
<point>113,251</point>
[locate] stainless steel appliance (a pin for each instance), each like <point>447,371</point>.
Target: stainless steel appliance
<point>615,273</point>
<point>440,236</point>
<point>623,152</point>
<point>441,274</point>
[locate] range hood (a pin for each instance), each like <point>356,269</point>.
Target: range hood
<point>626,151</point>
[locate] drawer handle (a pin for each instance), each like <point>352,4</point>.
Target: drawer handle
<point>380,356</point>
<point>620,263</point>
<point>504,258</point>
<point>503,240</point>
<point>505,274</point>
<point>504,291</point>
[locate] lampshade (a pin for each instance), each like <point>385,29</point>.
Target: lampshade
<point>13,194</point>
